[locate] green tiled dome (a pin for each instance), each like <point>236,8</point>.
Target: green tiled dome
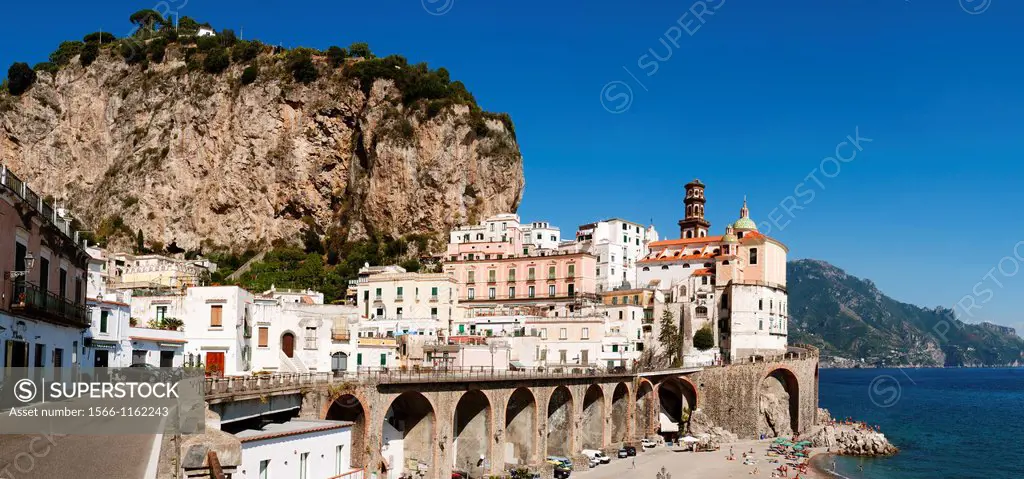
<point>745,224</point>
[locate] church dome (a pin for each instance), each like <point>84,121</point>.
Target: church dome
<point>745,224</point>
<point>730,238</point>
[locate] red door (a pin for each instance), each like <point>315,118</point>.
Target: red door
<point>288,344</point>
<point>215,364</point>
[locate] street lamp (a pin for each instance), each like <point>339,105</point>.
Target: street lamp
<point>30,261</point>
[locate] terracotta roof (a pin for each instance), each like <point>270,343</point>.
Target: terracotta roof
<point>702,272</point>
<point>706,239</point>
<point>159,340</point>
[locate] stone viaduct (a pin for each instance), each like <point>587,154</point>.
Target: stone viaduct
<point>479,424</point>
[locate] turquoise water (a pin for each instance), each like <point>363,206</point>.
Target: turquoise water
<point>948,423</point>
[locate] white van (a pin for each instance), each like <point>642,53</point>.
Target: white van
<point>596,455</point>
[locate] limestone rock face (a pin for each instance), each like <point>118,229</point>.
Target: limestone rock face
<point>848,440</point>
<point>774,420</point>
<point>189,157</point>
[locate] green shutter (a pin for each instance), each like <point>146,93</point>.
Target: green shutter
<point>383,359</point>
<point>359,359</point>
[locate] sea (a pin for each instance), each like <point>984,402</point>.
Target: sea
<point>958,423</point>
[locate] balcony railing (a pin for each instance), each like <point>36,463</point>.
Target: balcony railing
<point>340,335</point>
<point>433,298</point>
<point>31,300</point>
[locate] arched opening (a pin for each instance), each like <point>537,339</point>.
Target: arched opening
<point>339,362</point>
<point>644,399</point>
<point>677,399</point>
<point>592,430</point>
<point>348,408</point>
<point>520,427</point>
<point>620,412</point>
<point>407,435</point>
<point>560,422</point>
<point>472,424</point>
<point>288,344</point>
<point>779,404</point>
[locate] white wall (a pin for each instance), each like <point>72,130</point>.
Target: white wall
<point>49,335</point>
<point>757,330</point>
<point>284,455</point>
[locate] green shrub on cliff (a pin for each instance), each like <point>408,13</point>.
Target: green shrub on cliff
<point>99,37</point>
<point>46,67</point>
<point>20,78</point>
<point>360,50</point>
<point>245,51</point>
<point>216,61</point>
<point>250,74</point>
<point>89,53</point>
<point>157,48</point>
<point>336,56</point>
<point>65,52</point>
<point>300,64</point>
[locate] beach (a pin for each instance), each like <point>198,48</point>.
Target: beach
<point>711,465</point>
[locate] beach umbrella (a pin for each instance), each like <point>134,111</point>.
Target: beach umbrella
<point>780,440</point>
<point>690,439</point>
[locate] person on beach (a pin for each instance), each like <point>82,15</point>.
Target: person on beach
<point>634,462</point>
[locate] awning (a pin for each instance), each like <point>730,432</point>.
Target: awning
<point>104,345</point>
<point>516,364</point>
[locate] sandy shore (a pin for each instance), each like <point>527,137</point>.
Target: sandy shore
<point>710,465</point>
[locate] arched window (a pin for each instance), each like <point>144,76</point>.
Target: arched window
<point>479,236</point>
<point>686,265</point>
<point>702,312</point>
<point>689,234</point>
<point>466,238</point>
<point>753,255</point>
<point>646,268</point>
<point>664,267</point>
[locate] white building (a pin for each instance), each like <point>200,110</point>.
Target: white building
<point>298,336</point>
<point>618,245</point>
<point>206,32</point>
<point>216,321</point>
<point>299,449</point>
<point>393,301</point>
<point>542,235</point>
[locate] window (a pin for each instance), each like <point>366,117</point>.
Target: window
<point>512,274</point>
<point>63,285</point>
<point>311,338</point>
<point>216,316</point>
<point>303,465</point>
<point>543,333</point>
<point>615,300</point>
<point>753,255</point>
<point>620,314</point>
<point>702,312</point>
<point>433,313</point>
<point>571,289</point>
<point>399,292</point>
<point>471,277</point>
<point>625,239</point>
<point>543,354</point>
<point>625,300</point>
<point>624,227</point>
<point>264,468</point>
<point>551,272</point>
<point>646,268</point>
<point>103,320</point>
<point>471,294</point>
<point>585,333</point>
<point>760,324</point>
<point>598,272</point>
<point>433,292</point>
<point>359,359</point>
<point>491,275</point>
<point>530,274</point>
<point>638,241</point>
<point>563,333</point>
<point>161,313</point>
<point>704,280</point>
<point>615,348</point>
<point>58,357</point>
<point>263,337</point>
<point>572,270</point>
<point>551,290</point>
<point>383,359</point>
<point>490,293</point>
<point>511,292</point>
<point>139,357</point>
<point>760,305</point>
<point>380,312</point>
<point>530,291</point>
<point>339,460</point>
<point>666,266</point>
<point>378,293</point>
<point>636,299</point>
<point>562,355</point>
<point>398,313</point>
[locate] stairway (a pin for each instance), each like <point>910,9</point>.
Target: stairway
<point>291,365</point>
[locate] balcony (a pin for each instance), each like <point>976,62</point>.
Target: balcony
<point>399,298</point>
<point>340,335</point>
<point>31,300</point>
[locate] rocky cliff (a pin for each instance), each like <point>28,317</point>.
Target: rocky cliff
<point>202,160</point>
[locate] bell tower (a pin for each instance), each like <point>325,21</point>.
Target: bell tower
<point>694,225</point>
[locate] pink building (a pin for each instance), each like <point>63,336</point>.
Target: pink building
<point>516,279</point>
<point>43,267</point>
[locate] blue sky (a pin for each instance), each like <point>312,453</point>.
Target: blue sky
<point>751,100</point>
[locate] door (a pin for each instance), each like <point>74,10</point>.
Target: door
<point>339,362</point>
<point>215,363</point>
<point>167,359</point>
<point>101,359</point>
<point>17,354</point>
<point>288,344</point>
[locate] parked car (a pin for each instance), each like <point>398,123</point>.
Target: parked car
<point>631,450</point>
<point>623,453</point>
<point>560,460</point>
<point>595,455</point>
<point>562,472</point>
<point>647,443</point>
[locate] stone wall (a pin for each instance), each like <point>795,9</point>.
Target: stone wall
<point>731,396</point>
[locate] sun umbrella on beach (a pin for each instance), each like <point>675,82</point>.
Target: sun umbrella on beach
<point>690,439</point>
